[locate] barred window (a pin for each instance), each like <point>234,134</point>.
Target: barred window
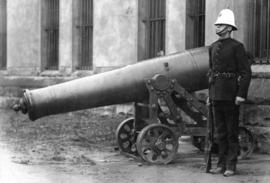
<point>195,23</point>
<point>155,28</point>
<point>84,31</point>
<point>3,34</point>
<point>50,33</point>
<point>259,30</point>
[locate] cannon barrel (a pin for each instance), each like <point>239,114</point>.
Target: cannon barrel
<point>123,85</point>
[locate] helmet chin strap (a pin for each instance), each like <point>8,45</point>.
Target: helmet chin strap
<point>223,31</point>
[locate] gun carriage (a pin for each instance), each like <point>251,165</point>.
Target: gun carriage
<point>162,90</point>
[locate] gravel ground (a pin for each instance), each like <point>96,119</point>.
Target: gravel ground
<point>81,147</point>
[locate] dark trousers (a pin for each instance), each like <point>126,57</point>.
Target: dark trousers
<point>226,117</point>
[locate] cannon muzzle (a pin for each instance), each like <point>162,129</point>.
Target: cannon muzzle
<point>122,85</point>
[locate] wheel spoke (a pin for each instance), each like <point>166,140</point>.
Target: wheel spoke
<point>155,132</point>
<point>169,147</point>
<point>123,136</point>
<point>150,138</point>
<point>127,128</point>
<point>126,144</point>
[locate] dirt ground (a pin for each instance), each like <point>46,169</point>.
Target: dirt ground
<point>81,147</point>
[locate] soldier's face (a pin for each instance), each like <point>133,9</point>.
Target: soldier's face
<point>221,29</point>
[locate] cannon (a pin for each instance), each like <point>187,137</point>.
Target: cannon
<point>161,90</point>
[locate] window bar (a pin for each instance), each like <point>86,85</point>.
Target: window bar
<point>250,9</point>
<point>163,25</point>
<point>196,14</point>
<point>54,23</point>
<point>49,35</point>
<point>264,31</point>
<point>56,33</point>
<point>268,29</point>
<point>261,31</point>
<point>203,23</point>
<point>82,32</point>
<point>3,38</point>
<point>91,33</point>
<point>254,28</point>
<point>47,29</point>
<point>156,28</point>
<point>78,29</point>
<point>152,47</point>
<point>52,34</point>
<point>150,28</point>
<point>52,27</point>
<point>152,38</point>
<point>87,33</point>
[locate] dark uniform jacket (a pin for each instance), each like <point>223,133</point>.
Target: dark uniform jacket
<point>230,71</point>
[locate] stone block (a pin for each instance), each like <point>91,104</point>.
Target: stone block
<point>259,91</point>
<point>256,115</point>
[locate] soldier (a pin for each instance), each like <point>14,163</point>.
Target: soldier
<point>229,79</point>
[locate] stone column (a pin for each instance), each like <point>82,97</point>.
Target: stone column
<point>115,33</point>
<point>23,37</point>
<point>65,36</point>
<point>175,26</point>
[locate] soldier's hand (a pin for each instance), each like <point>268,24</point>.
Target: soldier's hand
<point>207,101</point>
<point>239,100</point>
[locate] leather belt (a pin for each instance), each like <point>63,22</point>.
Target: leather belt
<point>224,75</point>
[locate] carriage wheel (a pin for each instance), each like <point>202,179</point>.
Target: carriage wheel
<point>246,143</point>
<point>157,143</point>
<point>126,136</point>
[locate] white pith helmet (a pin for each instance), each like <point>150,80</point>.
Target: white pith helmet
<point>226,16</point>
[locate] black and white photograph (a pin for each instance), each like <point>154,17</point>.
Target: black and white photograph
<point>134,91</point>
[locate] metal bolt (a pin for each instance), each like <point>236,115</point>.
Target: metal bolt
<point>154,106</point>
